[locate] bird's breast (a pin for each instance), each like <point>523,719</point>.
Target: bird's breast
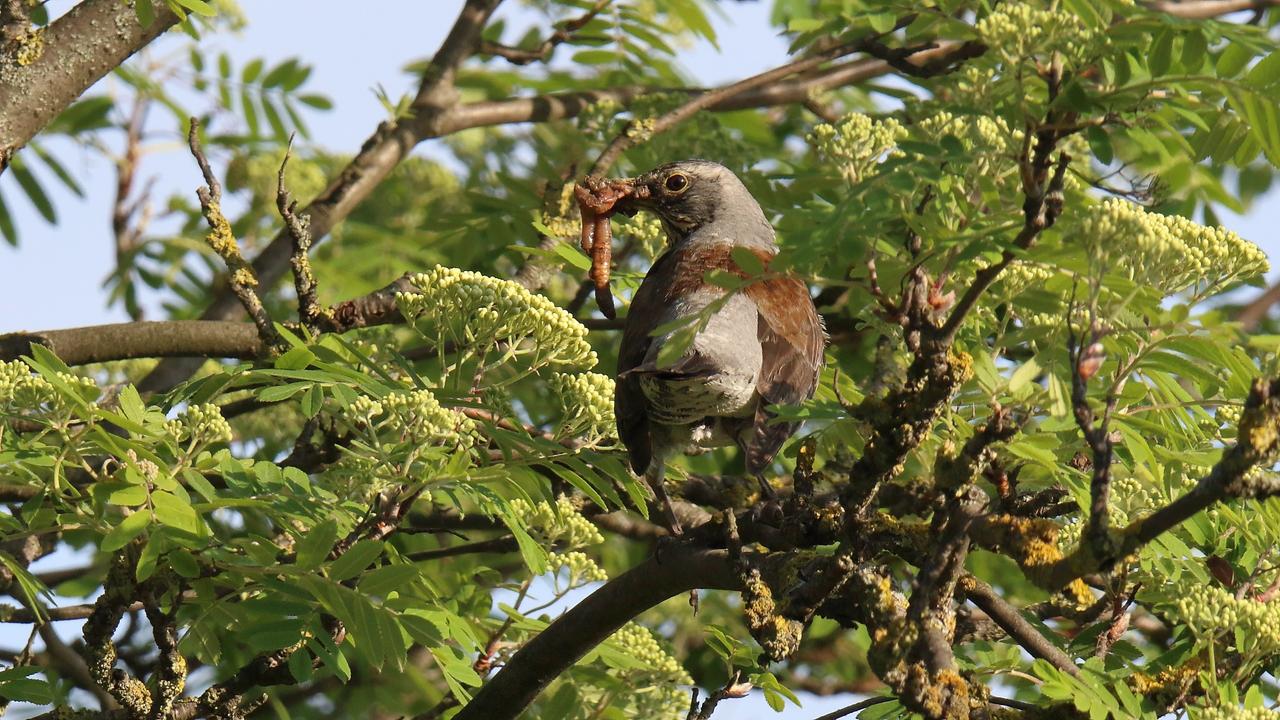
<point>688,400</point>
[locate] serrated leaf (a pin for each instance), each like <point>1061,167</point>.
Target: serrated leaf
<point>175,512</point>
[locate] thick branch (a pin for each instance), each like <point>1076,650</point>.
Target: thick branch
<point>593,620</point>
<point>123,341</point>
<point>1205,9</point>
<point>191,338</point>
<point>79,48</point>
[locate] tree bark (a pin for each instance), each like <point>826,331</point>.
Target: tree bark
<point>76,51</point>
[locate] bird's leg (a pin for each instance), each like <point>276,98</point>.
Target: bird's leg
<point>770,508</point>
<point>654,476</point>
<point>767,493</point>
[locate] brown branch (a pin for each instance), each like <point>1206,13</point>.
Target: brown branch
<point>124,341</point>
<point>848,710</point>
<point>593,620</point>
<point>310,314</point>
<point>192,338</point>
<point>78,49</point>
<point>241,277</point>
<point>1205,9</point>
<point>1252,314</point>
<point>68,663</point>
<point>565,30</point>
<point>1013,623</point>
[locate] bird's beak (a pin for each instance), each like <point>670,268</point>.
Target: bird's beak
<point>606,197</point>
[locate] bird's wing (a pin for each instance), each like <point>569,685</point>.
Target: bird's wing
<point>629,404</point>
<point>791,338</point>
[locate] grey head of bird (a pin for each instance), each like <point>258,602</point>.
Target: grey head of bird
<point>692,195</point>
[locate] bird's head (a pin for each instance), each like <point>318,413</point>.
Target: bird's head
<point>688,195</point>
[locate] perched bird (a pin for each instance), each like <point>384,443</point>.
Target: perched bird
<point>755,346</point>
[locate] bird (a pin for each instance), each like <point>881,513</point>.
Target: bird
<point>755,345</point>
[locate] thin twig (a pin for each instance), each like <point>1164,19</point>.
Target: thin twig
<point>241,277</point>
<point>565,31</point>
<point>299,229</point>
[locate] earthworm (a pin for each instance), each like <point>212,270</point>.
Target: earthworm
<point>601,255</point>
<point>595,203</point>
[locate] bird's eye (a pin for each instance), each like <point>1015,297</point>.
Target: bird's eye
<point>677,182</point>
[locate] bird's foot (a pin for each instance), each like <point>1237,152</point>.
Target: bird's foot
<point>769,509</point>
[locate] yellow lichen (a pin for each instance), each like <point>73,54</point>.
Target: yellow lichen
<point>30,48</point>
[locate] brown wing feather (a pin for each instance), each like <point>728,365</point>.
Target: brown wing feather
<point>629,404</point>
<point>791,339</point>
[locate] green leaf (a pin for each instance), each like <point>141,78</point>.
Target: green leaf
<point>131,404</point>
<point>1233,59</point>
<point>128,529</point>
<point>175,512</point>
<point>318,102</point>
<point>595,57</point>
<point>1266,72</point>
<point>7,230</point>
<point>1161,54</point>
<point>32,188</point>
<point>1024,375</point>
<point>199,7</point>
<point>314,546</point>
<point>1100,144</point>
<point>355,560</point>
<point>1194,48</point>
<point>145,11</point>
<point>573,256</point>
<point>748,261</point>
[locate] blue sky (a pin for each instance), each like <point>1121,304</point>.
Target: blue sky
<point>54,279</point>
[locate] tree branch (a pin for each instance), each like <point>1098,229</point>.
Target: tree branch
<point>593,620</point>
<point>565,31</point>
<point>192,338</point>
<point>1205,9</point>
<point>1012,622</point>
<point>79,48</point>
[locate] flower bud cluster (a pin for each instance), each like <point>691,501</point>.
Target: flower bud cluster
<point>202,424</point>
<point>596,118</point>
<point>1022,275</point>
<point>363,410</point>
<point>586,404</point>
<point>1228,712</point>
<point>480,311</point>
<point>24,391</point>
<point>582,569</point>
<point>992,145</point>
<point>418,417</point>
<point>1019,30</point>
<point>1209,610</point>
<point>1170,253</point>
<point>856,143</point>
<point>644,229</point>
<point>1229,415</point>
<point>639,642</point>
<point>562,523</point>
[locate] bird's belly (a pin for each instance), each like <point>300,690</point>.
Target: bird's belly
<point>688,400</point>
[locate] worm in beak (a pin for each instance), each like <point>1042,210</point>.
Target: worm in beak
<point>598,200</point>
